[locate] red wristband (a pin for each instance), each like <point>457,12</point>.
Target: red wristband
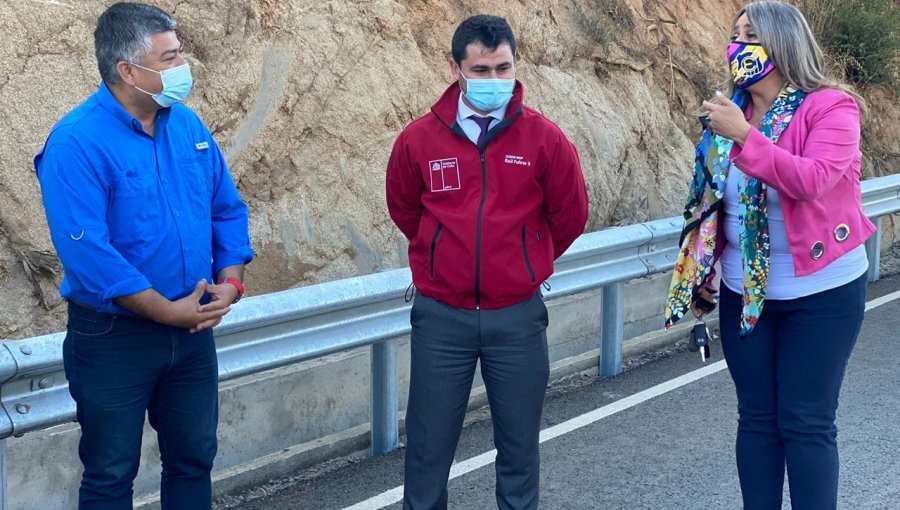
<point>237,284</point>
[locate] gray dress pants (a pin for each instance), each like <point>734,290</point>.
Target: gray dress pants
<point>446,344</point>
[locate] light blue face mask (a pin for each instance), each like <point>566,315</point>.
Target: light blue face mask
<point>177,83</point>
<point>489,94</point>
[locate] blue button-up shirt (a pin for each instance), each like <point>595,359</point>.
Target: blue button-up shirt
<point>128,212</point>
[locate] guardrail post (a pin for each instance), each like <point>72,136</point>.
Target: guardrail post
<point>4,494</point>
<point>385,398</point>
<point>873,251</point>
<point>612,329</point>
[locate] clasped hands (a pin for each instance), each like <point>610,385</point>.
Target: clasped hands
<point>187,312</point>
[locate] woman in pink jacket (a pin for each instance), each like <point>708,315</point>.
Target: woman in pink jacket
<point>776,200</point>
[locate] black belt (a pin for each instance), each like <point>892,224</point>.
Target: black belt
<point>82,305</point>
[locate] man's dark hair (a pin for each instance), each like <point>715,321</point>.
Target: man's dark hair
<point>491,31</point>
<point>123,33</point>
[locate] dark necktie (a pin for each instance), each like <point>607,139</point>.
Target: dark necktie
<point>483,123</point>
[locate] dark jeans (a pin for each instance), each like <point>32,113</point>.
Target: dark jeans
<point>120,368</point>
<point>446,343</point>
<point>788,374</point>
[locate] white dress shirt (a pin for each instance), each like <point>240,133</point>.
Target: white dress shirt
<point>469,126</point>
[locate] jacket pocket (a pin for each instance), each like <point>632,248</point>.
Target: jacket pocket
<point>434,241</point>
<point>525,254</point>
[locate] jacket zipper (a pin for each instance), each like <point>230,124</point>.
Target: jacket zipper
<point>434,240</point>
<point>478,232</point>
<point>525,256</point>
<point>462,134</point>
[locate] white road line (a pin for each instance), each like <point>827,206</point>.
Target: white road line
<point>395,495</point>
<point>382,500</point>
<point>875,303</point>
<point>629,402</point>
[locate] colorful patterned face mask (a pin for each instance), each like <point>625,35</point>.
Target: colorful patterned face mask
<point>749,63</point>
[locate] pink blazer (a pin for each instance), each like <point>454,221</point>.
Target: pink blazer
<point>815,166</point>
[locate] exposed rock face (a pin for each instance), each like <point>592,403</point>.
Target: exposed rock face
<point>307,97</point>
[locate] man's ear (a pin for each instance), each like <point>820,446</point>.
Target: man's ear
<point>126,72</point>
<point>454,69</point>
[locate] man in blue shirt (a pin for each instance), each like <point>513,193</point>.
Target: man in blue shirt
<point>144,216</point>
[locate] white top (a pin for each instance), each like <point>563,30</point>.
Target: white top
<point>469,126</point>
<point>782,284</point>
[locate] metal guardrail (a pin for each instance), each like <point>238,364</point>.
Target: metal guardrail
<point>880,196</point>
<point>282,328</point>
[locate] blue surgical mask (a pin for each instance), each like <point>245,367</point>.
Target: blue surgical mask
<point>489,94</point>
<point>177,83</point>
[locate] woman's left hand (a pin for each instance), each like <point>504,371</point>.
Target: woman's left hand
<point>706,296</point>
<point>727,119</point>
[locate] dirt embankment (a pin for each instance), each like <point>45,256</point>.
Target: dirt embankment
<point>307,97</point>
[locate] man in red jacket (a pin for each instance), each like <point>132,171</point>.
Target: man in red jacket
<point>489,193</point>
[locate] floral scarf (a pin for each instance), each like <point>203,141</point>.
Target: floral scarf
<point>698,237</point>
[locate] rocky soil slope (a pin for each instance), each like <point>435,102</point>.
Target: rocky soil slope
<point>306,98</point>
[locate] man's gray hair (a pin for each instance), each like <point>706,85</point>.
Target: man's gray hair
<point>123,33</point>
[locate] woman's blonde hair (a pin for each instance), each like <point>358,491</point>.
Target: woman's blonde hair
<point>788,40</point>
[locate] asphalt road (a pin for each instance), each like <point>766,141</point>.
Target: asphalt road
<point>672,449</point>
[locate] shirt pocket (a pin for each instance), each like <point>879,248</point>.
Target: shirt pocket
<point>196,174</point>
<point>135,214</point>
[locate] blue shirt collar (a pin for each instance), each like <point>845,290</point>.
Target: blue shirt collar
<point>109,103</point>
<point>464,112</point>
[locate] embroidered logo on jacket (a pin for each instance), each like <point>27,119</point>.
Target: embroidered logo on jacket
<point>444,174</point>
<point>511,159</point>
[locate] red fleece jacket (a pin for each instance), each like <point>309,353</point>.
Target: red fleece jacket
<point>485,223</point>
